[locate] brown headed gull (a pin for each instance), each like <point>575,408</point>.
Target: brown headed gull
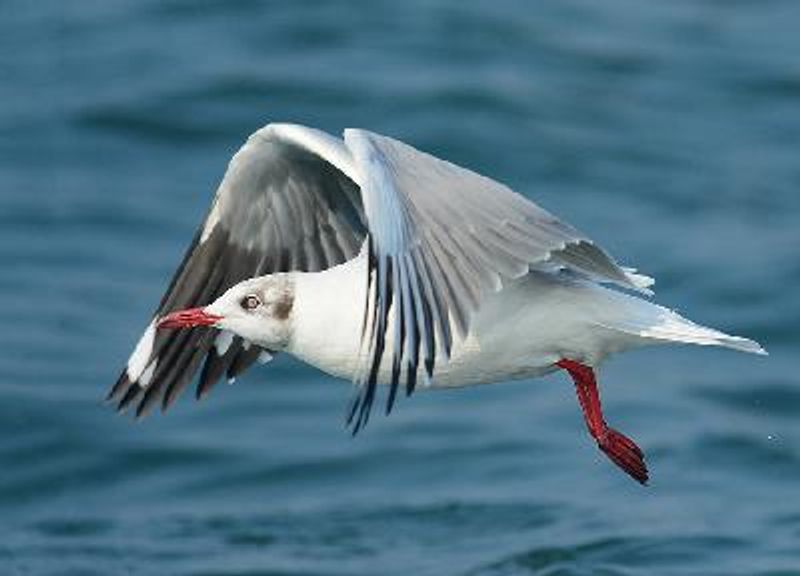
<point>381,264</point>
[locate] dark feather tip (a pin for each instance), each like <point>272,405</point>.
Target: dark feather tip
<point>128,398</point>
<point>119,387</point>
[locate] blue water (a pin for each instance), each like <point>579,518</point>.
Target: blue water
<point>668,131</point>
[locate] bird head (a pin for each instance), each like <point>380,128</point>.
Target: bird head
<point>258,310</point>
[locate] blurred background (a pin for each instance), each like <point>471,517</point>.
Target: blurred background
<point>667,131</point>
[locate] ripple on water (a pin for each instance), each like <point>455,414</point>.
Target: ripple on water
<point>612,556</point>
<point>666,131</point>
<point>767,399</point>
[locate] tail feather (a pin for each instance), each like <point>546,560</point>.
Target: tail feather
<point>678,329</point>
<point>659,323</point>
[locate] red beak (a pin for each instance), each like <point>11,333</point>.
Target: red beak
<point>188,318</point>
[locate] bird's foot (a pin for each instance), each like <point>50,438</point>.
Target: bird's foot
<point>624,453</point>
<point>619,448</point>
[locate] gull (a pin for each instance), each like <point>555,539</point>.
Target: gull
<point>380,264</point>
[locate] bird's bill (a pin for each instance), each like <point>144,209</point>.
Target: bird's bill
<point>189,318</point>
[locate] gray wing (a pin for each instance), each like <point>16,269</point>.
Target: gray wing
<point>281,206</point>
<point>440,238</point>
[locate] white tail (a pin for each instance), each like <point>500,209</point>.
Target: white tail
<point>658,323</point>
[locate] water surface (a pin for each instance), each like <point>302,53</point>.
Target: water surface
<point>668,131</point>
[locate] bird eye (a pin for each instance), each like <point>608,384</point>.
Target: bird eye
<point>250,302</point>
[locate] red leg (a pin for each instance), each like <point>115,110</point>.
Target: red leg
<point>619,448</point>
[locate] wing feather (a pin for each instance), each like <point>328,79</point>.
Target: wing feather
<point>287,202</point>
<point>442,238</point>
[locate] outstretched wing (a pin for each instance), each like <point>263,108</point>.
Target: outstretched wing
<point>287,202</point>
<point>440,238</point>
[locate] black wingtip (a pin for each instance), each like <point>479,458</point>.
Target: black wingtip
<point>130,395</point>
<point>122,384</point>
<point>213,369</point>
<point>411,383</point>
<point>150,399</point>
<point>356,419</point>
<point>242,361</point>
<point>391,398</point>
<point>352,409</point>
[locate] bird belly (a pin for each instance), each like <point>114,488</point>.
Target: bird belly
<point>518,332</point>
<point>522,331</point>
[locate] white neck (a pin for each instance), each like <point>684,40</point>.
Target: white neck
<point>327,315</point>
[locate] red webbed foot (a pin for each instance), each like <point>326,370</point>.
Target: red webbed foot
<point>624,453</point>
<point>619,448</point>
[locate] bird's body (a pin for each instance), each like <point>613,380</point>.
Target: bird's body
<point>521,331</point>
<point>379,263</point>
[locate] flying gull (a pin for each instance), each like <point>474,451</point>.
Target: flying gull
<point>381,264</point>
